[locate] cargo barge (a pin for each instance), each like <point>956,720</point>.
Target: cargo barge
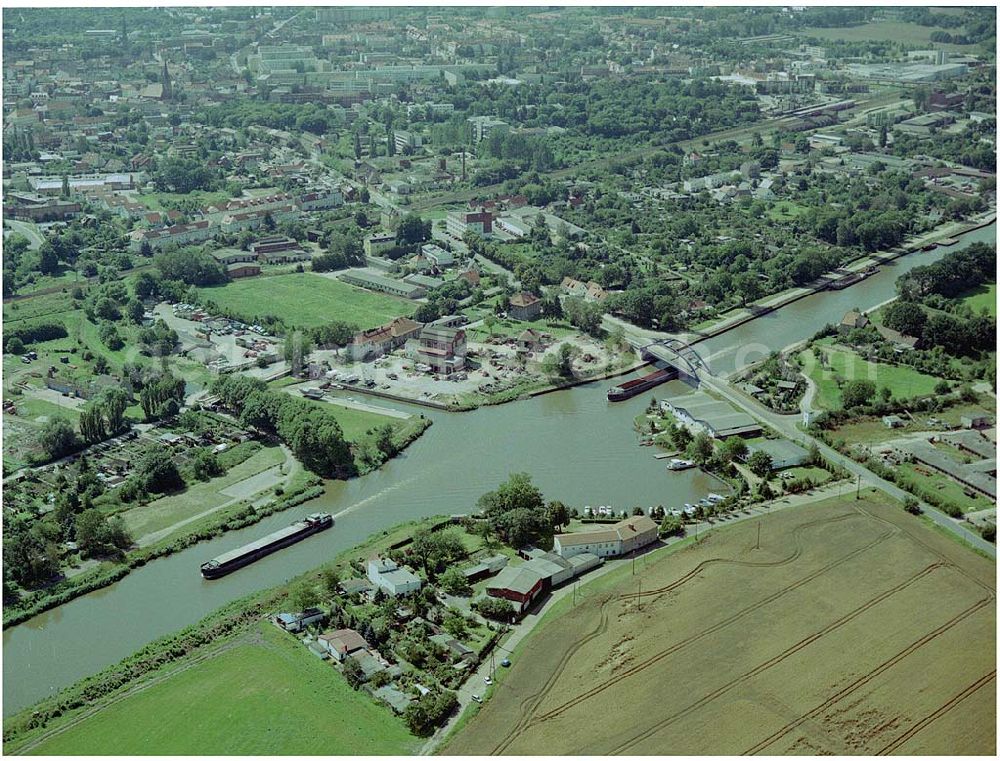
<point>630,388</point>
<point>852,278</point>
<point>230,561</point>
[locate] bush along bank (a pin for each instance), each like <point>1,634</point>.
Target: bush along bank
<point>241,516</point>
<point>193,641</point>
<point>211,527</point>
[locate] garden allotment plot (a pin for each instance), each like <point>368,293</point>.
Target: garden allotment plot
<point>854,629</point>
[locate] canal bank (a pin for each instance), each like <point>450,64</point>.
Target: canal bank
<point>578,448</point>
<point>742,345</point>
<point>857,266</point>
<point>461,457</point>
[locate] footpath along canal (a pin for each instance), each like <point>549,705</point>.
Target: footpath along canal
<point>579,448</point>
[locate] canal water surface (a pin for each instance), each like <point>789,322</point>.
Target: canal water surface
<point>579,448</point>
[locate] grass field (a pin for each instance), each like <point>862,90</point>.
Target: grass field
<point>982,297</point>
<point>898,31</point>
<point>202,496</point>
<point>846,365</point>
<point>785,210</point>
<point>161,201</point>
<point>307,300</point>
<point>267,695</point>
<point>807,645</point>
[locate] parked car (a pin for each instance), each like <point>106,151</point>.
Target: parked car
<point>505,662</point>
<point>477,698</point>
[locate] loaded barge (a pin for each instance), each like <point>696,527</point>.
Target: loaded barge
<point>851,278</point>
<point>630,388</point>
<point>248,553</point>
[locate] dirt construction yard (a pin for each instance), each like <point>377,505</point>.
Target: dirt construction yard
<point>853,629</point>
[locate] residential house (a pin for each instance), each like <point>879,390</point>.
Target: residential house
<point>395,581</point>
<point>457,223</point>
<point>437,255</point>
<point>614,541</point>
<point>899,341</point>
<point>375,245</point>
<point>181,235</point>
<point>296,622</point>
<point>320,199</point>
<point>524,306</point>
<point>470,276</point>
<point>531,340</point>
<point>852,321</point>
<point>252,220</point>
<point>342,643</point>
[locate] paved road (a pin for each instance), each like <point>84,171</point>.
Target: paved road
<point>29,230</point>
<point>786,426</point>
<point>476,684</point>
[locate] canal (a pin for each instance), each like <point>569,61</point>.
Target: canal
<point>801,319</point>
<point>579,448</point>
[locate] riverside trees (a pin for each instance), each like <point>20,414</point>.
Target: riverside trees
<point>312,433</point>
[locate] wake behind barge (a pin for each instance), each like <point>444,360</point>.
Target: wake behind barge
<point>228,562</point>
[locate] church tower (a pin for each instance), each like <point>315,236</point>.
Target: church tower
<point>167,89</point>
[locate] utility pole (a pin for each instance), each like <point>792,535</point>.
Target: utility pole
<point>633,564</point>
<point>858,495</point>
<point>640,594</point>
<point>758,536</point>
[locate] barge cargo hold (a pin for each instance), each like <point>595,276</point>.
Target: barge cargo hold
<point>248,553</point>
<point>630,388</point>
<point>852,278</point>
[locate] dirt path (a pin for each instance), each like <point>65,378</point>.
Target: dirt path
<point>290,466</point>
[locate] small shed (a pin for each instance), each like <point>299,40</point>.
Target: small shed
<point>974,421</point>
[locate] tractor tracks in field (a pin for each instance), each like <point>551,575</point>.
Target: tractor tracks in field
<point>776,659</point>
<point>795,555</point>
<point>938,713</point>
<point>873,674</point>
<point>526,716</point>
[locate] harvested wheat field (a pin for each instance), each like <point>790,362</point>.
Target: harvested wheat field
<point>853,629</point>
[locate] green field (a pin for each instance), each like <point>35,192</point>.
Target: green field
<point>928,481</point>
<point>161,201</point>
<point>786,210</point>
<point>982,297</point>
<point>847,365</point>
<point>899,31</point>
<point>307,300</point>
<point>265,696</point>
<point>166,511</point>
